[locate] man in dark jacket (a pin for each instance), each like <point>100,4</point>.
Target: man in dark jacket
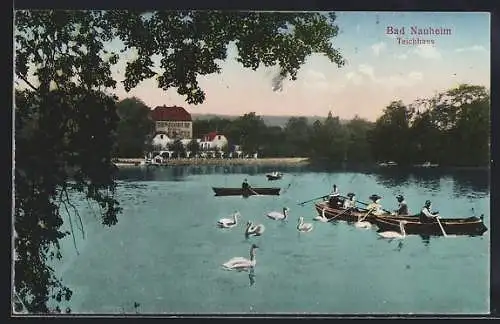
<point>403,207</point>
<point>245,186</point>
<point>426,215</point>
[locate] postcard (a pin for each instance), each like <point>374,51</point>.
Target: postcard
<point>251,163</point>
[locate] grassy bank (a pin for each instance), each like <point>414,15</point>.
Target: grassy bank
<point>123,162</point>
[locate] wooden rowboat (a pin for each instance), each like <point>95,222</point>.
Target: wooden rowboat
<point>219,191</point>
<point>348,216</point>
<point>472,226</point>
<point>387,222</point>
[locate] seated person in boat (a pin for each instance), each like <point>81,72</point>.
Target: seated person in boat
<point>375,206</point>
<point>426,214</point>
<point>333,199</point>
<point>351,202</point>
<point>402,207</point>
<point>245,186</point>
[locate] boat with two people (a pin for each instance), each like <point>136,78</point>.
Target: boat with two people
<point>275,175</point>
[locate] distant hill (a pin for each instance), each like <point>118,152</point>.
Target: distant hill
<point>268,120</point>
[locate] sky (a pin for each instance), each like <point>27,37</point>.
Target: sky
<point>378,70</point>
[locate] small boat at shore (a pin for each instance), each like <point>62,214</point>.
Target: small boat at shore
<point>148,163</point>
<point>388,222</point>
<point>220,191</point>
<point>426,165</point>
<point>274,176</point>
<point>387,164</point>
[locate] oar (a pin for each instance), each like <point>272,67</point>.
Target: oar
<point>339,214</point>
<point>256,194</point>
<point>302,203</point>
<point>363,203</point>
<point>362,219</point>
<point>441,226</point>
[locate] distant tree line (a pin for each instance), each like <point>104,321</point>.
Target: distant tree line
<point>451,128</point>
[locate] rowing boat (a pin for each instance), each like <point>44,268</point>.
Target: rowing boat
<point>219,191</point>
<point>388,222</point>
<point>472,226</point>
<point>274,176</point>
<point>352,215</point>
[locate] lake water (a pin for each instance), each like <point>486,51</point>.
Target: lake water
<point>165,253</point>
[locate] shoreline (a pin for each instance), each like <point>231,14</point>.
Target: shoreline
<point>295,161</point>
<point>125,163</point>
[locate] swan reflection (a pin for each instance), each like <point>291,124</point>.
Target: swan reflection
<point>251,276</point>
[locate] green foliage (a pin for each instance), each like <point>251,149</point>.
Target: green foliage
<point>330,141</point>
<point>178,148</point>
<point>65,122</point>
<point>451,128</point>
<point>193,146</point>
<point>193,43</point>
<point>202,127</point>
<point>358,147</point>
<point>247,131</point>
<point>58,138</point>
<point>133,136</point>
<point>390,137</point>
<point>297,134</point>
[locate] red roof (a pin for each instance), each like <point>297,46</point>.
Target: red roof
<point>174,113</point>
<point>210,136</point>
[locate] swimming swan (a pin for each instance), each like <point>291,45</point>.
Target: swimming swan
<point>362,224</point>
<point>393,234</point>
<point>242,264</point>
<point>304,227</point>
<point>229,222</point>
<point>255,230</point>
<point>321,218</point>
<point>277,215</point>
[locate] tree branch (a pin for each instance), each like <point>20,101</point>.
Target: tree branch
<point>27,82</point>
<point>70,222</point>
<point>76,212</point>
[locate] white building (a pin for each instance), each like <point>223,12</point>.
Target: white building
<point>161,140</point>
<point>213,141</point>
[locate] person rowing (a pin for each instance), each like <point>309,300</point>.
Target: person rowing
<point>245,186</point>
<point>426,214</point>
<point>333,198</point>
<point>375,207</point>
<point>351,202</point>
<point>247,189</point>
<point>402,207</point>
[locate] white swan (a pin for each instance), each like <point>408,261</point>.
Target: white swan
<point>321,218</point>
<point>242,264</point>
<point>277,215</point>
<point>255,230</point>
<point>229,222</point>
<point>362,224</point>
<point>304,227</point>
<point>393,234</point>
